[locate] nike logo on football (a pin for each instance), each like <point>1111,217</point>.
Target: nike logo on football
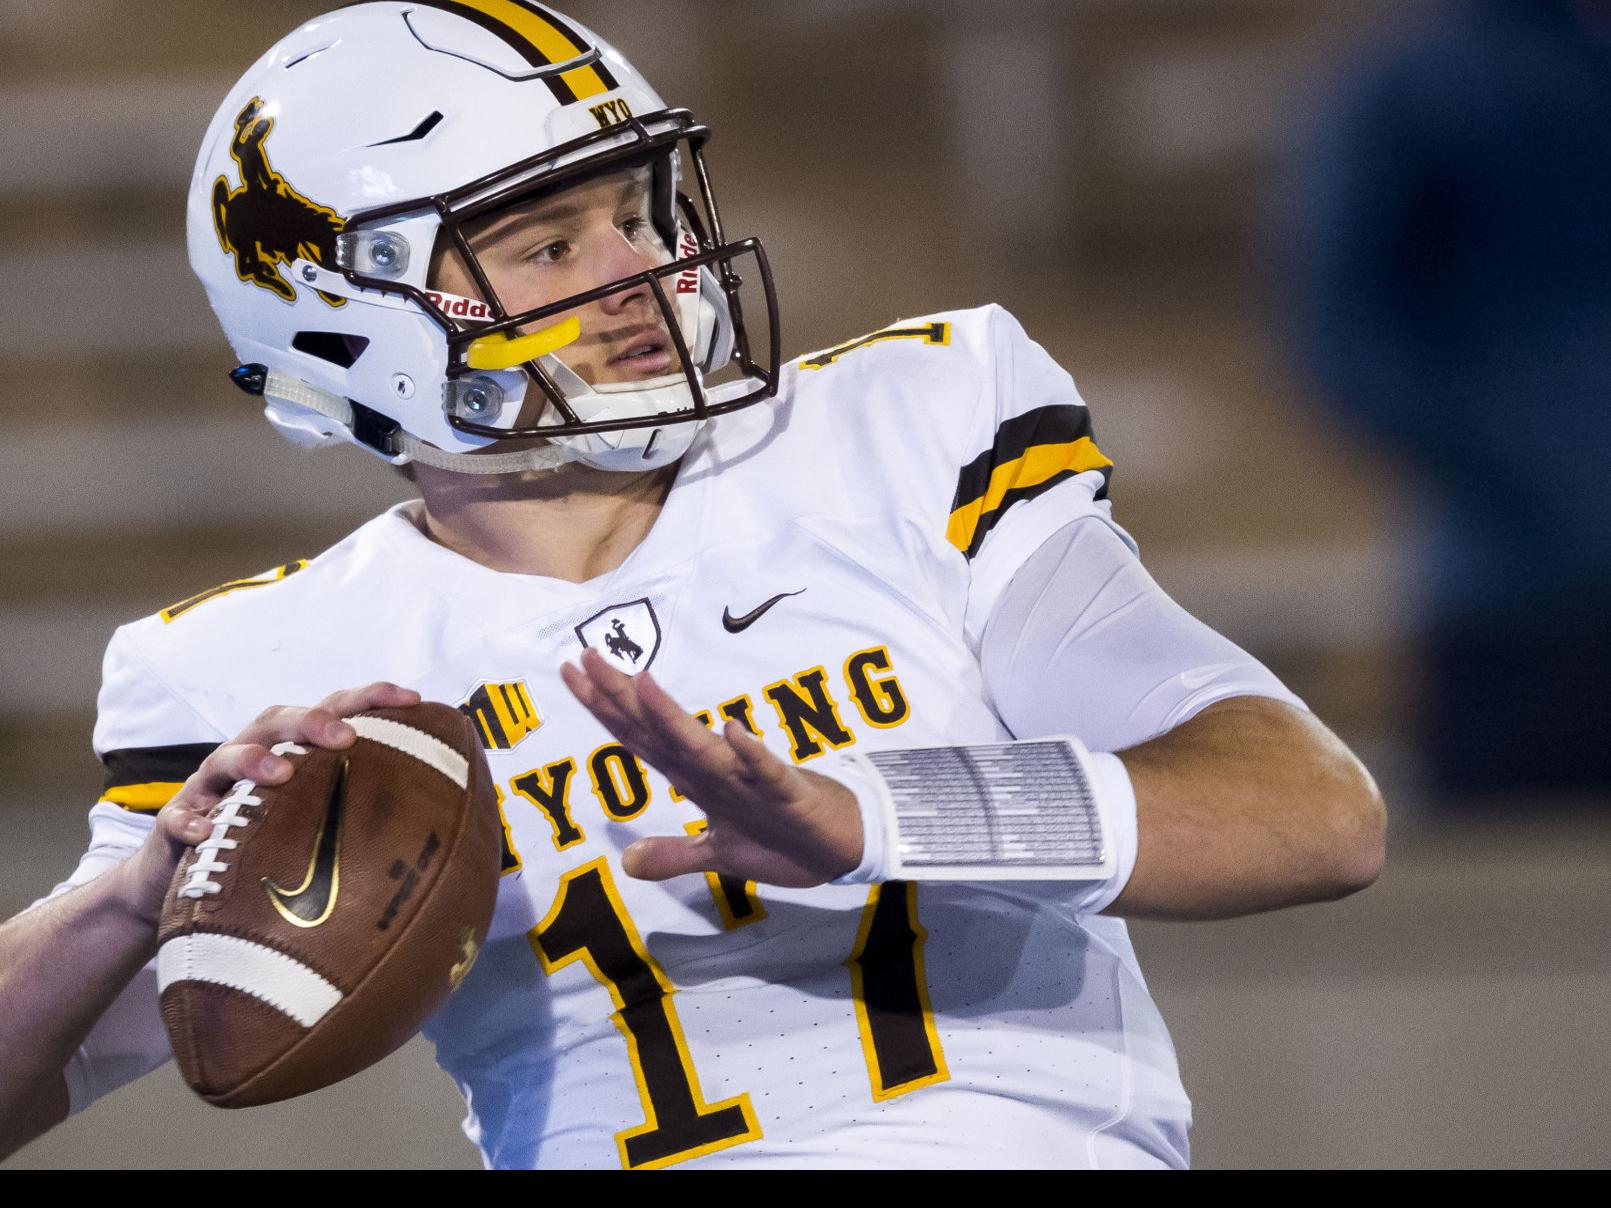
<point>311,902</point>
<point>739,624</point>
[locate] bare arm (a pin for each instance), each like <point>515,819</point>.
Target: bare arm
<point>63,963</point>
<point>61,966</point>
<point>1251,805</point>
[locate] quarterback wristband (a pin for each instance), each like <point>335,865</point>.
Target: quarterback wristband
<point>1042,810</point>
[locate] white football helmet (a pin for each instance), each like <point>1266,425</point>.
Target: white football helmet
<point>370,141</point>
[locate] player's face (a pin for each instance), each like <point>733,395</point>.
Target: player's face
<point>539,252</point>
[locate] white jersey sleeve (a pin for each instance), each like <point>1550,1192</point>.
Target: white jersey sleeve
<point>1083,641</point>
<point>961,427</point>
<point>967,430</point>
<point>1032,465</point>
<point>148,737</point>
<point>149,743</point>
<point>1074,636</point>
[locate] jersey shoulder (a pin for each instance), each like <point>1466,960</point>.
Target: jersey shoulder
<point>245,613</point>
<point>944,362</point>
<point>945,382</point>
<point>955,416</point>
<point>965,334</point>
<point>189,672</point>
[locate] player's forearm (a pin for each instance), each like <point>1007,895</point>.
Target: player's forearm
<point>1252,805</point>
<point>61,966</point>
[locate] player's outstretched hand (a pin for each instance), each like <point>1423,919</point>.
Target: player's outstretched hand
<point>769,821</point>
<point>183,822</point>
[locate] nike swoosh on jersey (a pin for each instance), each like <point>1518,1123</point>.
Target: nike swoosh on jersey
<point>739,624</point>
<point>311,902</point>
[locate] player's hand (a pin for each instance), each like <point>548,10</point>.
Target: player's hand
<point>769,821</point>
<point>184,821</point>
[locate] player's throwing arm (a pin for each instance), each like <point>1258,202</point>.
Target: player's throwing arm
<point>64,961</point>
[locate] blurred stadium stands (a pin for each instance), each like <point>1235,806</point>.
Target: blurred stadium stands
<point>1105,169</point>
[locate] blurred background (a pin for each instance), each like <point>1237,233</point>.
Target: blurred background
<point>1334,277</point>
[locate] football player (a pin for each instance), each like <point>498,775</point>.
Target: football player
<point>856,637</point>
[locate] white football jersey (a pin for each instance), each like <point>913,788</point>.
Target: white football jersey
<point>821,572</point>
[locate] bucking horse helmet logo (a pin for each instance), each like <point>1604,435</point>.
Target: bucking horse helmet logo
<point>266,223</point>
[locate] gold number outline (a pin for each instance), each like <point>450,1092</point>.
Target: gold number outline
<point>583,952</point>
<point>876,1037</point>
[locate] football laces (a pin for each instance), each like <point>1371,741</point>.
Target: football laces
<point>199,882</point>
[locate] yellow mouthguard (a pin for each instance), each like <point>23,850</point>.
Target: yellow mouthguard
<point>501,352</point>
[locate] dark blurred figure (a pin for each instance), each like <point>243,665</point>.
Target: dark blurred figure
<point>1452,257</point>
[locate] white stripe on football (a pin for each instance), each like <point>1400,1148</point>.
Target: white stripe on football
<point>225,960</point>
<point>414,742</point>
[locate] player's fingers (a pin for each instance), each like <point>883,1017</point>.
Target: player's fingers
<point>581,687</point>
<point>592,696</point>
<point>704,773</point>
<point>614,685</point>
<point>248,761</point>
<point>691,744</point>
<point>642,732</point>
<point>607,714</point>
<point>680,729</point>
<point>760,767</point>
<point>319,727</point>
<point>710,770</point>
<point>322,725</point>
<point>227,764</point>
<point>381,695</point>
<point>184,823</point>
<point>324,728</point>
<point>664,857</point>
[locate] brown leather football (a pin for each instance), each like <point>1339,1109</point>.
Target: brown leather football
<point>325,920</point>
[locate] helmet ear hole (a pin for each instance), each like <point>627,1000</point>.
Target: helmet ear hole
<point>333,346</point>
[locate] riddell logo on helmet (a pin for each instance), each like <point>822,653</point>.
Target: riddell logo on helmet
<point>460,308</point>
<point>688,279</point>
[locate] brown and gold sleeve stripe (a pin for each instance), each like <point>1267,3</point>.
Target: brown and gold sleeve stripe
<point>1032,454</point>
<point>144,779</point>
<point>543,38</point>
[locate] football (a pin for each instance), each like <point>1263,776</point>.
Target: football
<point>324,920</point>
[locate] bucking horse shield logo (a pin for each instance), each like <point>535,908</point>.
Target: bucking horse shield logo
<point>628,635</point>
<point>266,223</point>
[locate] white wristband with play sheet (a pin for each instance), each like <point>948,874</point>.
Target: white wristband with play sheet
<point>1040,810</point>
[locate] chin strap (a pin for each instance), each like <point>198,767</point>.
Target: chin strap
<point>279,388</point>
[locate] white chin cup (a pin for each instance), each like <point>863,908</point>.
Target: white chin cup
<point>631,448</point>
<point>702,312</point>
